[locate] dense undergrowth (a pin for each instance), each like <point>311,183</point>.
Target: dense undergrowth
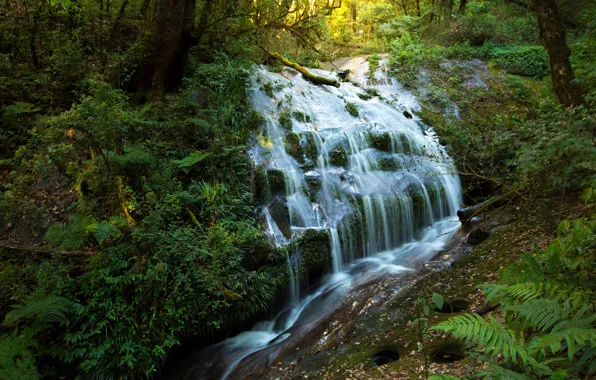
<point>129,225</point>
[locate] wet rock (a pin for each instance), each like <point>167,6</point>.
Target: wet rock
<point>381,142</point>
<point>477,236</point>
<point>389,164</point>
<point>314,248</point>
<point>338,157</point>
<point>281,216</point>
<point>407,115</point>
<point>343,74</point>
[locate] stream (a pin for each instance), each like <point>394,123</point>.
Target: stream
<point>357,164</point>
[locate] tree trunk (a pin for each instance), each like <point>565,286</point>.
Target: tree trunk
<point>315,79</point>
<point>462,6</point>
<point>418,7</point>
<point>353,15</point>
<point>166,47</point>
<point>552,35</point>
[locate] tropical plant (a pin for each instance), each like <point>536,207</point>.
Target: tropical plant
<point>548,299</point>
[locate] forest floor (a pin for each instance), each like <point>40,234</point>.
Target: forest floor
<point>377,318</point>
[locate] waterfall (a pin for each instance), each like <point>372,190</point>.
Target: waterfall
<point>378,182</point>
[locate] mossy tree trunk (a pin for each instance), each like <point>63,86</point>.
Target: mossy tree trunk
<point>552,34</point>
<point>315,79</point>
<point>170,34</point>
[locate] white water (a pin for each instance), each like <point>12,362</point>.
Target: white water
<point>385,221</point>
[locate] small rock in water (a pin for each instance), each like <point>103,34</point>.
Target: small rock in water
<point>343,74</point>
<point>407,115</point>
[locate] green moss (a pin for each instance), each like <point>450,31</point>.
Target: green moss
<point>338,157</point>
<point>293,147</point>
<point>314,246</point>
<point>365,96</point>
<point>352,109</point>
<point>285,120</point>
<point>301,116</point>
<point>381,142</point>
<point>389,164</point>
<point>276,181</point>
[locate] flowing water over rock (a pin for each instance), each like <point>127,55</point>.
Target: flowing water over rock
<point>352,163</point>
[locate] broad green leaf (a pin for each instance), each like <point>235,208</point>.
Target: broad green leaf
<point>438,300</point>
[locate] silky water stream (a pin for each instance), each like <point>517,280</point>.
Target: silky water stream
<point>357,164</point>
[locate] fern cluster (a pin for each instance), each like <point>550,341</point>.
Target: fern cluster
<point>548,299</point>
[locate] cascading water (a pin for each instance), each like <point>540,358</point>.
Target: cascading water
<point>377,181</point>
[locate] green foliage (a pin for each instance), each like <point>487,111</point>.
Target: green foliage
<point>531,61</point>
<point>548,298</point>
<point>406,58</point>
<point>562,153</point>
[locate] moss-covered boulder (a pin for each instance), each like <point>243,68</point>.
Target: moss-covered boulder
<point>314,186</point>
<point>268,183</point>
<point>315,251</point>
<point>381,142</point>
<point>293,147</point>
<point>338,157</point>
<point>389,164</point>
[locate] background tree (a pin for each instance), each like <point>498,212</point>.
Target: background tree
<point>552,34</point>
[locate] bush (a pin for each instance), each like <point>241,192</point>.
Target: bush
<point>530,61</point>
<point>406,57</point>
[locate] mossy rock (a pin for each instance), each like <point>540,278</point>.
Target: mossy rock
<point>268,183</point>
<point>294,148</point>
<point>309,146</point>
<point>338,157</point>
<point>381,142</point>
<point>285,120</point>
<point>389,164</point>
<point>314,246</point>
<point>314,185</point>
<point>352,109</point>
<point>365,96</point>
<point>302,117</point>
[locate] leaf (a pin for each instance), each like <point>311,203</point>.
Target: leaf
<point>192,159</point>
<point>438,300</point>
<point>426,310</point>
<point>443,377</point>
<point>104,231</point>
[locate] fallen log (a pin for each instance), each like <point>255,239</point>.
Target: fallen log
<point>314,79</point>
<point>467,213</point>
<point>46,251</point>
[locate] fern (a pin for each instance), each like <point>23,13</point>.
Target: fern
<point>41,311</point>
<point>16,359</point>
<point>494,337</point>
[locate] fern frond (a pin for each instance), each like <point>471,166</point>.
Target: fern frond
<point>498,372</point>
<point>16,360</point>
<point>42,310</point>
<point>524,292</point>
<point>566,339</point>
<point>494,337</point>
<point>541,313</point>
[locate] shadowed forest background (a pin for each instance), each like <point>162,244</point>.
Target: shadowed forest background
<point>127,198</point>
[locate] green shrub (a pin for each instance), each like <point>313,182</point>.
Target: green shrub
<point>530,61</point>
<point>406,57</point>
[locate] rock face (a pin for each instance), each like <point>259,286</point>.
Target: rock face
<point>281,216</point>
